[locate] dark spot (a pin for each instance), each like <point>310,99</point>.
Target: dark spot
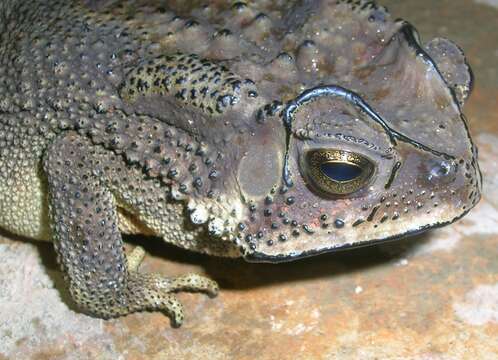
<point>239,5</point>
<point>213,174</point>
<point>308,43</point>
<point>173,173</point>
<point>261,16</point>
<point>183,188</point>
<point>198,183</point>
<point>339,223</point>
<point>191,23</point>
<point>308,229</point>
<point>372,213</point>
<point>223,32</point>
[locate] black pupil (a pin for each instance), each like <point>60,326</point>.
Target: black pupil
<point>339,171</point>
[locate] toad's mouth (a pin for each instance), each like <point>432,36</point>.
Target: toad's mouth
<point>260,257</point>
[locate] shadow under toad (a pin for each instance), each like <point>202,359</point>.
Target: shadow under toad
<point>238,274</point>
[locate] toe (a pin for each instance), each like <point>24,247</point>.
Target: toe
<point>174,309</point>
<point>194,282</point>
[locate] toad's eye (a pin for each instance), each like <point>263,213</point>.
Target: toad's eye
<point>338,172</point>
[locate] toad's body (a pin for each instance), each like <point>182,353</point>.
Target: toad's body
<point>271,131</point>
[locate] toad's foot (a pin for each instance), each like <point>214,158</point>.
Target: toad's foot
<point>150,291</point>
<point>161,288</point>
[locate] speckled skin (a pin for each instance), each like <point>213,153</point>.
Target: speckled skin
<point>192,122</point>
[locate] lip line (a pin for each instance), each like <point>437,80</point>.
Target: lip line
<point>258,257</point>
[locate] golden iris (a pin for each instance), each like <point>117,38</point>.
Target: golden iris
<point>338,172</point>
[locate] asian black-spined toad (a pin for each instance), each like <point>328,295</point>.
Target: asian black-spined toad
<point>267,130</point>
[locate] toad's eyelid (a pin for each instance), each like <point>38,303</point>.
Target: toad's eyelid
<point>315,93</point>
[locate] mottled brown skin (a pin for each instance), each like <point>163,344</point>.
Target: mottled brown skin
<point>194,122</point>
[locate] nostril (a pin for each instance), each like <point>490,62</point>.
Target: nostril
<point>442,169</point>
<point>439,170</point>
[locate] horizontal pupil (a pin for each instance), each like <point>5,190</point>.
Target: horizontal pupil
<point>340,171</point>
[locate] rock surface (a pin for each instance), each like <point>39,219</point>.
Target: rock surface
<point>434,296</point>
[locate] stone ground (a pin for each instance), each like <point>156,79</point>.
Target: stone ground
<point>434,296</point>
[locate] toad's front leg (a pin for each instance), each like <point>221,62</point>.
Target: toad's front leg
<point>89,244</point>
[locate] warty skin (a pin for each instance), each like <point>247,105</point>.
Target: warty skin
<point>209,126</point>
